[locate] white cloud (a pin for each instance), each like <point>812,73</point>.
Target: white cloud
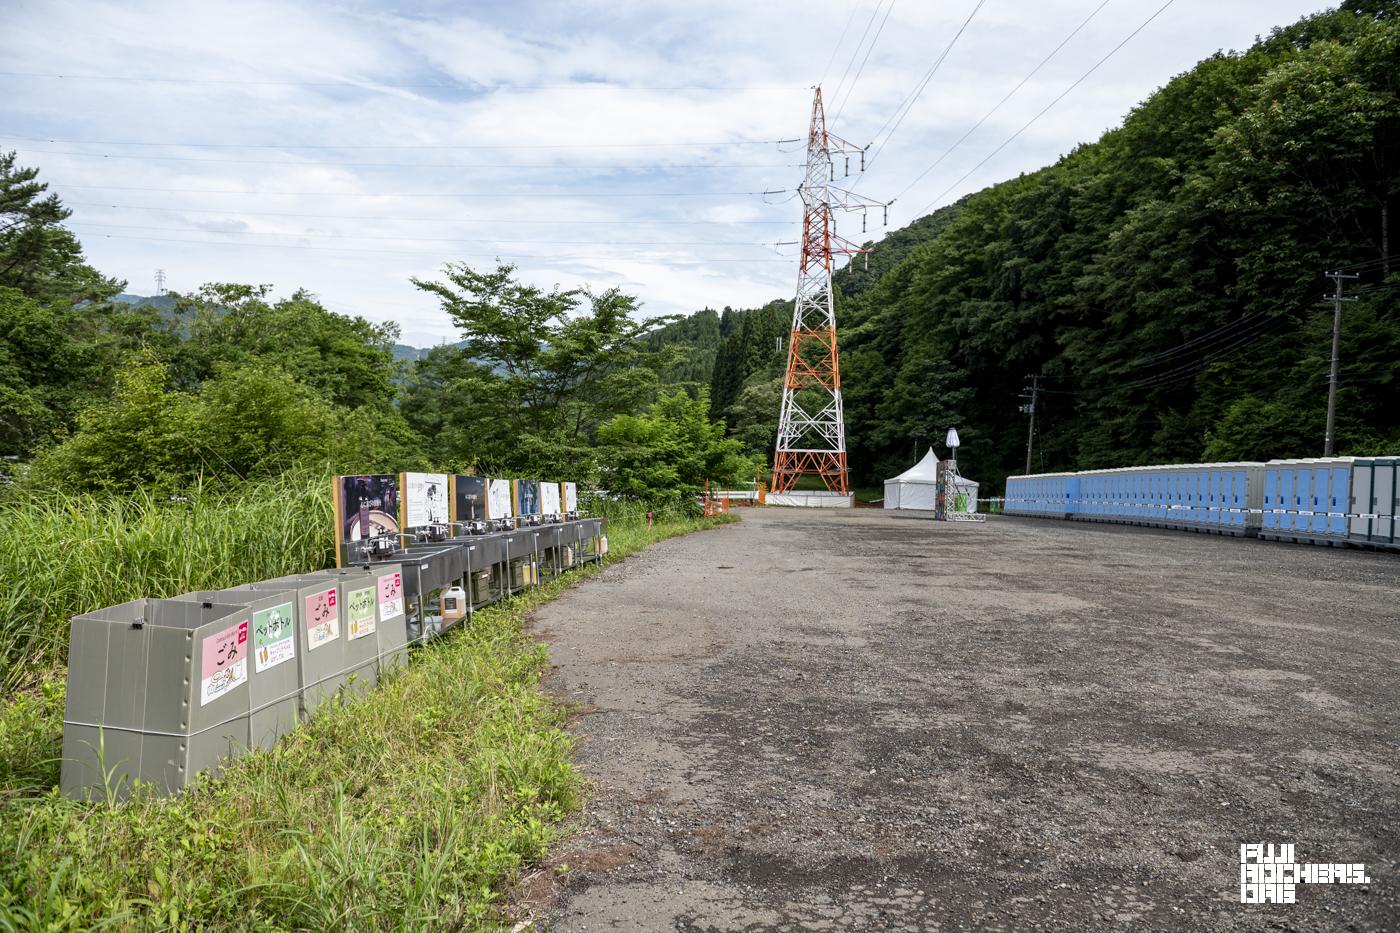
<point>353,231</point>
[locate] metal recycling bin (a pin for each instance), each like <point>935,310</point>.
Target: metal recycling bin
<point>274,682</point>
<point>375,609</point>
<point>426,569</point>
<point>357,653</point>
<point>157,692</point>
<point>321,658</point>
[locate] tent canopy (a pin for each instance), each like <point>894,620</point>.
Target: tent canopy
<point>925,471</point>
<point>917,487</point>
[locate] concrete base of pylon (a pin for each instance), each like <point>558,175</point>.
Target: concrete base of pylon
<point>813,500</point>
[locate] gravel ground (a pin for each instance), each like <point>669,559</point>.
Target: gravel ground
<point>862,720</point>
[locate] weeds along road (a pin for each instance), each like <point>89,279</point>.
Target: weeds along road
<point>865,721</point>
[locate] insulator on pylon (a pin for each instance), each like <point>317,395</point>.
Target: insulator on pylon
<point>887,215</point>
<point>848,166</point>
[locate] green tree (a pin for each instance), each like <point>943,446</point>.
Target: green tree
<point>248,421</point>
<point>346,359</point>
<point>538,372</point>
<point>668,453</point>
<point>38,256</point>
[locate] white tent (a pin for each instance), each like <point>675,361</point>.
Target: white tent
<point>917,488</point>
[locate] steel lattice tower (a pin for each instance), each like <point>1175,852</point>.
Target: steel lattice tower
<point>812,425</point>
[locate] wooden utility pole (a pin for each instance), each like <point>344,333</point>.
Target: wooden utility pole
<point>1337,300</point>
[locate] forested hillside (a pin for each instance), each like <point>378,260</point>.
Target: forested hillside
<point>1164,283</point>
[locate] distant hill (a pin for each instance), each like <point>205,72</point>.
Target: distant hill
<point>163,303</point>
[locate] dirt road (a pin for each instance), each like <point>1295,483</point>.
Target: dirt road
<point>822,720</point>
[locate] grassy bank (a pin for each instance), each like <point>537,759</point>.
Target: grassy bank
<point>409,807</point>
<point>63,555</point>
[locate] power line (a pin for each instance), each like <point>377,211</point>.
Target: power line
<point>859,45</point>
<point>912,97</point>
<point>400,252</point>
<point>452,220</point>
<point>391,85</point>
<point>842,106</point>
<point>426,239</point>
<point>1200,339</point>
<point>1188,370</point>
<point>427,194</point>
<point>434,146</point>
<point>595,166</point>
<point>990,113</point>
<point>1046,109</point>
<point>850,18</point>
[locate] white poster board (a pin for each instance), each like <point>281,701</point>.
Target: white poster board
<point>425,499</point>
<point>549,499</point>
<point>571,497</point>
<point>498,499</point>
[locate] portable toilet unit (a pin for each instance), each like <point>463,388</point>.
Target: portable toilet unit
<point>1315,494</point>
<point>1374,501</point>
<point>157,692</point>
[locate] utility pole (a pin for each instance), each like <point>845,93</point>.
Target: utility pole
<point>812,424</point>
<point>160,281</point>
<point>1033,393</point>
<point>1337,301</point>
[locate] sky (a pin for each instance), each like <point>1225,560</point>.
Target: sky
<point>345,148</point>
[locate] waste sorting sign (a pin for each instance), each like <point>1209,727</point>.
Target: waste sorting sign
<point>390,596</point>
<point>360,609</point>
<point>274,638</point>
<point>224,662</point>
<point>322,618</point>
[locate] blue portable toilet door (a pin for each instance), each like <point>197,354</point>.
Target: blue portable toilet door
<point>1301,478</point>
<point>1213,516</point>
<point>1321,491</point>
<point>1339,501</point>
<point>1271,498</point>
<point>1302,498</point>
<point>1240,501</point>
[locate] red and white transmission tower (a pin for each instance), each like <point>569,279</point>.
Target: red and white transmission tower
<point>812,425</point>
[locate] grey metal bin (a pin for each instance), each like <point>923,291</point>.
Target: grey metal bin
<point>321,662</point>
<point>374,606</point>
<point>160,687</point>
<point>274,682</point>
<point>358,653</point>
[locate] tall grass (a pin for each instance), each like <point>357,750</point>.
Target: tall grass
<point>409,807</point>
<point>61,555</point>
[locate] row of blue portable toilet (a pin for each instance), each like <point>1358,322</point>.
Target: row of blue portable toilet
<point>1051,495</point>
<point>1307,496</point>
<point>1335,498</point>
<point>1215,495</point>
<point>1187,495</point>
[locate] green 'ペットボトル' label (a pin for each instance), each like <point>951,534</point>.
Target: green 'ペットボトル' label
<point>361,608</point>
<point>274,638</point>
